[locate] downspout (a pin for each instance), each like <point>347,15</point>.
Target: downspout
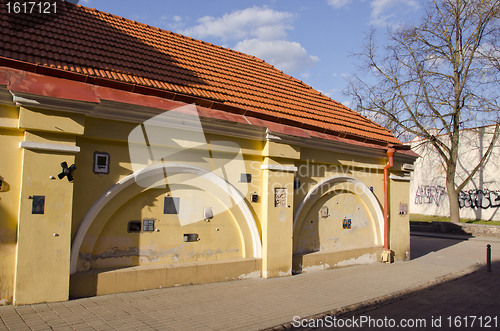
<point>387,252</point>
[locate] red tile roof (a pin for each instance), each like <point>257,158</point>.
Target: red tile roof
<point>86,41</point>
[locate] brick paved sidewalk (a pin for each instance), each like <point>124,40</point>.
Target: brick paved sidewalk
<point>467,302</point>
<point>249,304</point>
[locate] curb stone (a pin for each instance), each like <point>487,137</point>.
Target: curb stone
<point>371,304</point>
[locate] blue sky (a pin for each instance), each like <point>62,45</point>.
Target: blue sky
<point>310,40</point>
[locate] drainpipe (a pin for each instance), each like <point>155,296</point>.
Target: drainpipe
<point>386,256</point>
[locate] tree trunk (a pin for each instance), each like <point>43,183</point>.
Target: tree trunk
<point>454,206</point>
<point>452,191</point>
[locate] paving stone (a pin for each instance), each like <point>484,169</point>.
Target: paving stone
<point>418,286</point>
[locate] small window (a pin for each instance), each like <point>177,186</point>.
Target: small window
<point>101,163</point>
<point>134,226</point>
<point>148,225</point>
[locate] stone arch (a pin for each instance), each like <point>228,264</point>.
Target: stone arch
<point>364,193</point>
<point>165,169</point>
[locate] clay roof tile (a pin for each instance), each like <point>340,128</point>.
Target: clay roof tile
<point>100,44</point>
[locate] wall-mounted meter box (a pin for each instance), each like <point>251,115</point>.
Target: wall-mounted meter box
<point>101,163</point>
<point>190,237</point>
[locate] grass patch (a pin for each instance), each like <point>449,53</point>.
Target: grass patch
<point>427,218</point>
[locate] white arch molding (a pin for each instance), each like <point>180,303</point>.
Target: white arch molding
<point>311,196</point>
<point>161,169</point>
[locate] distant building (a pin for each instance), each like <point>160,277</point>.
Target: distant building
<point>135,158</point>
<point>480,199</point>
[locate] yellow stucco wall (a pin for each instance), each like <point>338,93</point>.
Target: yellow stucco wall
<point>10,174</point>
<point>325,233</point>
<point>399,231</point>
<point>30,248</point>
<point>319,238</point>
<point>220,238</point>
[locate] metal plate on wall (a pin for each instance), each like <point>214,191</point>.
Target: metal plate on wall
<point>38,206</point>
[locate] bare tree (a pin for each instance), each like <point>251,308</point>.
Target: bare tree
<point>434,78</point>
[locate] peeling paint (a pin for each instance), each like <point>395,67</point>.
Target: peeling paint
<point>282,216</point>
<point>252,275</point>
<point>283,274</point>
<point>152,255</point>
<point>316,268</point>
<point>115,252</point>
<point>364,259</point>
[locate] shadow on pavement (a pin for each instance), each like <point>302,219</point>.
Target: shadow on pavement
<point>452,302</point>
<point>420,246</point>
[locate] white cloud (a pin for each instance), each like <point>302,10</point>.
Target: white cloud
<point>259,31</point>
<point>255,22</point>
<point>287,56</point>
<point>172,22</point>
<point>338,3</point>
<point>384,10</point>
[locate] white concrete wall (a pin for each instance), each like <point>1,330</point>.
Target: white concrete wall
<point>481,197</point>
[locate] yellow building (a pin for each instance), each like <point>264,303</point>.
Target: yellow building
<point>135,158</point>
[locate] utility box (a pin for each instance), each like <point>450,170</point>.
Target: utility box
<point>190,237</point>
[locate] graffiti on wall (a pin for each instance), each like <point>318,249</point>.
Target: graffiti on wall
<point>479,199</point>
<point>428,194</point>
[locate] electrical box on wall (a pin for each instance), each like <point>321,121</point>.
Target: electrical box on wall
<point>254,197</point>
<point>190,237</point>
<point>324,211</point>
<point>403,209</point>
<point>246,178</point>
<point>38,206</point>
<point>101,163</point>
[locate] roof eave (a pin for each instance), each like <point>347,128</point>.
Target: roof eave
<point>140,89</point>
